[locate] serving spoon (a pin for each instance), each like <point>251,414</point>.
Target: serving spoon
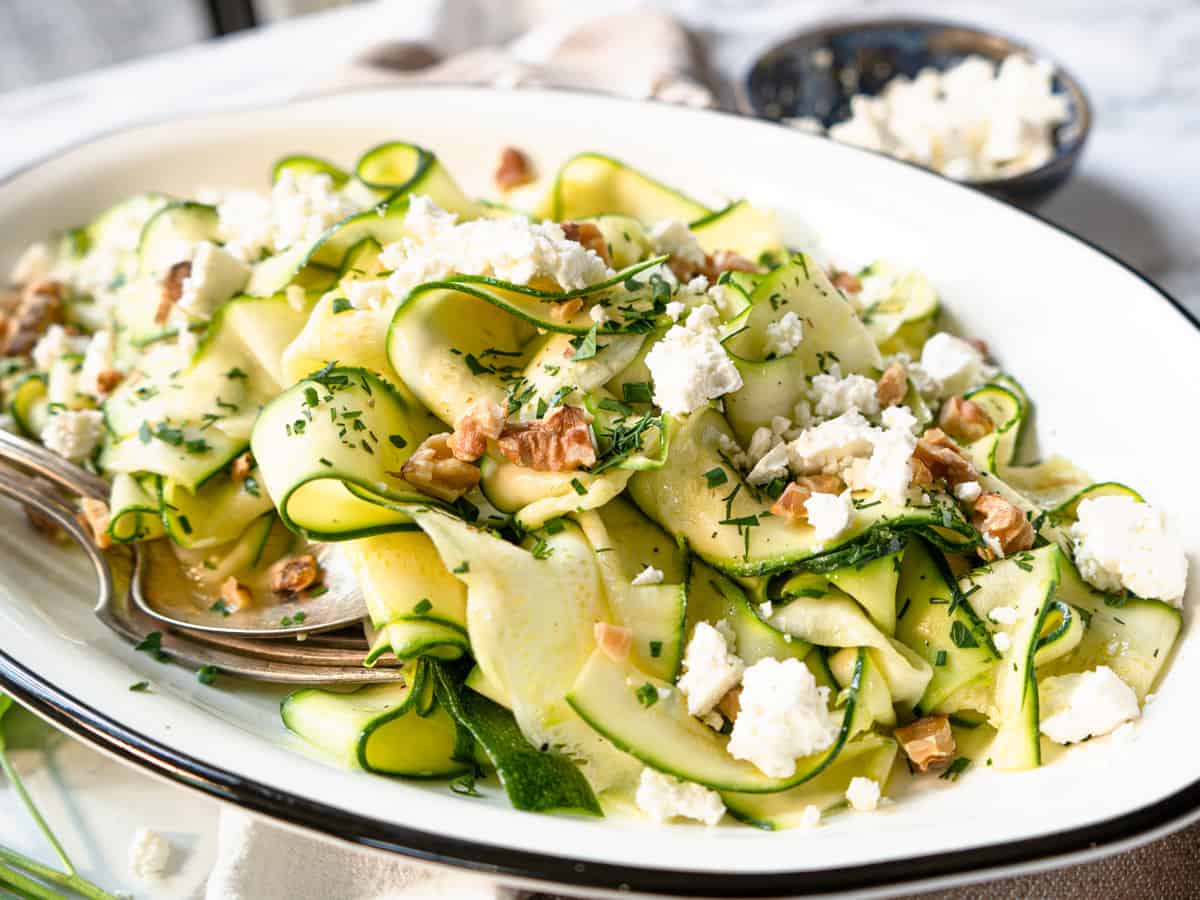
<point>161,588</point>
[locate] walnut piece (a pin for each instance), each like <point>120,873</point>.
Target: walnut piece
<point>433,470</point>
<point>965,421</point>
<point>171,290</point>
<point>240,470</point>
<point>892,386</point>
<point>714,264</point>
<point>235,594</point>
<point>295,573</point>
<point>484,421</point>
<point>40,306</point>
<point>108,380</point>
<point>558,443</point>
<point>1004,523</point>
<point>845,281</point>
<point>513,170</point>
<point>565,310</point>
<point>943,458</point>
<point>790,504</point>
<point>97,518</point>
<point>614,640</point>
<point>928,742</point>
<point>589,236</point>
<point>731,704</point>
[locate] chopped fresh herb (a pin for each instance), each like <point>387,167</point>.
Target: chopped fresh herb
<point>541,550</point>
<point>476,367</point>
<point>220,607</point>
<point>207,674</point>
<point>464,785</point>
<point>741,521</point>
<point>235,374</point>
<point>397,441</point>
<point>423,607</point>
<point>715,477</point>
<point>152,644</point>
<point>139,687</point>
<point>144,434</point>
<point>616,406</point>
<point>636,392</point>
<point>462,568</point>
<point>185,524</point>
<point>647,695</point>
<point>551,370</point>
<point>553,526</point>
<point>311,398</point>
<point>775,488</point>
<point>956,768</point>
<point>250,486</point>
<point>656,649</point>
<point>940,659</point>
<point>585,345</point>
<point>961,635</point>
<point>341,304</point>
<point>578,486</point>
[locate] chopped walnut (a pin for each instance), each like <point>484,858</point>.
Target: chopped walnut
<point>108,380</point>
<point>1004,523</point>
<point>295,574</point>
<point>928,742</point>
<point>241,468</point>
<point>513,170</point>
<point>172,290</point>
<point>845,281</point>
<point>433,470</point>
<point>565,310</point>
<point>943,458</point>
<point>731,704</point>
<point>921,476</point>
<point>790,504</point>
<point>484,421</point>
<point>589,236</point>
<point>558,443</point>
<point>892,386</point>
<point>979,344</point>
<point>965,421</point>
<point>614,640</point>
<point>728,261</point>
<point>40,306</point>
<point>235,594</point>
<point>97,518</point>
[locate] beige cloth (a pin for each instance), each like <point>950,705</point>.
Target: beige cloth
<point>648,55</point>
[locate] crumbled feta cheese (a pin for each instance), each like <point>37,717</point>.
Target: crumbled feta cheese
<point>662,797</point>
<point>303,207</point>
<point>96,274</point>
<point>148,854</point>
<point>835,444</point>
<point>54,345</point>
<point>689,366</point>
<point>953,363</point>
<point>889,470</point>
<point>698,285</point>
<point>598,314</point>
<point>648,575</point>
<point>973,121</point>
<point>512,249</point>
<point>810,817</point>
<point>783,715</point>
<point>1086,704</point>
<point>727,632</point>
<point>829,514</point>
<point>900,418</point>
<point>672,237</point>
<point>968,491</point>
<point>1004,615</point>
<point>368,293</point>
<point>1002,642</point>
<point>833,395</point>
<point>245,224</point>
<point>993,544</point>
<point>710,669</point>
<point>766,609</point>
<point>675,309</point>
<point>215,277</point>
<point>831,442</point>
<point>1123,544</point>
<point>97,359</point>
<point>863,794</point>
<point>784,336</point>
<point>74,434</point>
<point>32,265</point>
<point>771,465</point>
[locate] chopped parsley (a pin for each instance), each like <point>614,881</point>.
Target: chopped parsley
<point>152,644</point>
<point>585,345</point>
<point>140,687</point>
<point>341,305</point>
<point>715,477</point>
<point>636,392</point>
<point>207,674</point>
<point>462,568</point>
<point>221,608</point>
<point>956,768</point>
<point>656,649</point>
<point>962,637</point>
<point>423,607</point>
<point>647,695</point>
<point>578,486</point>
<point>541,550</point>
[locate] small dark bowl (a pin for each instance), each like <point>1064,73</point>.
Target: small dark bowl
<point>816,73</point>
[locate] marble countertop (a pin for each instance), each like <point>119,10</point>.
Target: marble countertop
<point>1136,194</point>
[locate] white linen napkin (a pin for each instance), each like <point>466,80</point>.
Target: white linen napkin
<point>643,55</point>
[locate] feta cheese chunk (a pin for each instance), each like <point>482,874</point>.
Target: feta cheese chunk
<point>863,794</point>
<point>954,364</point>
<point>673,238</point>
<point>512,249</point>
<point>648,575</point>
<point>689,366</point>
<point>216,276</point>
<point>829,514</point>
<point>710,670</point>
<point>1004,615</point>
<point>74,434</point>
<point>148,855</point>
<point>1002,642</point>
<point>662,797</point>
<point>97,360</point>
<point>784,715</point>
<point>1087,704</point>
<point>784,336</point>
<point>1123,544</point>
<point>968,491</point>
<point>54,345</point>
<point>833,395</point>
<point>598,314</point>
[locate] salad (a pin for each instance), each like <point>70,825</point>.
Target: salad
<point>654,512</point>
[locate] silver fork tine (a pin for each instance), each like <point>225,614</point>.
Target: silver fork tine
<point>133,626</point>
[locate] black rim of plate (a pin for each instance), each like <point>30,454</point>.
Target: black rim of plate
<point>94,727</point>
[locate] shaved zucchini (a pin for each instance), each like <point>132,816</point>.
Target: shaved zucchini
<point>591,184</point>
